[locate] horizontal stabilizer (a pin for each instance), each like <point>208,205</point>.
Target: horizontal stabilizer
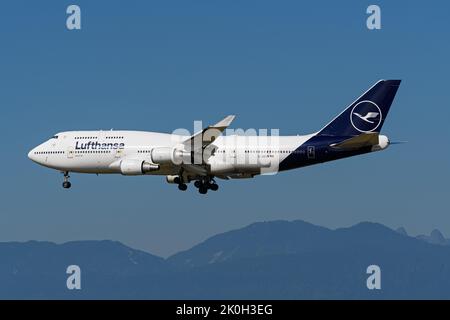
<point>363,140</point>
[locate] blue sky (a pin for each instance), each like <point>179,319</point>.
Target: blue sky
<point>157,66</point>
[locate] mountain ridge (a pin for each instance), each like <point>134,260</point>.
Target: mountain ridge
<point>266,260</point>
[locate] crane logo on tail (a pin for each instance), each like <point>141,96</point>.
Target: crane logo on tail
<point>365,116</point>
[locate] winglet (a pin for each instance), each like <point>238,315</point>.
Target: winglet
<point>209,134</point>
<point>224,123</point>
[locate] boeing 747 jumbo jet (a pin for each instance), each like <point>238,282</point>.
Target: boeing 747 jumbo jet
<point>208,154</point>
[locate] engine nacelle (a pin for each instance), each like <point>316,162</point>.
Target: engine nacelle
<point>173,179</point>
<point>383,143</point>
<point>168,155</point>
<point>135,167</point>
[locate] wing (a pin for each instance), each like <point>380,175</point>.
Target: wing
<point>203,138</point>
<point>198,142</point>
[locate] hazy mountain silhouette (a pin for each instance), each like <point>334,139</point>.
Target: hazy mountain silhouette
<point>256,240</point>
<point>402,231</point>
<point>278,259</point>
<point>38,269</point>
<point>435,237</point>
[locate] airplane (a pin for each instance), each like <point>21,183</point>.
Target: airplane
<point>208,154</point>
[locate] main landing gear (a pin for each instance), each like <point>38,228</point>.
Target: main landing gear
<point>66,184</point>
<point>205,185</point>
<point>182,186</point>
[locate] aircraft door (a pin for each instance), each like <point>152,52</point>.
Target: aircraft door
<point>119,153</point>
<point>311,152</point>
<point>70,152</point>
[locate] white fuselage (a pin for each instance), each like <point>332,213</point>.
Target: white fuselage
<point>104,151</point>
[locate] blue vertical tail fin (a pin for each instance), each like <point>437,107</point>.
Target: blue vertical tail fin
<point>365,114</point>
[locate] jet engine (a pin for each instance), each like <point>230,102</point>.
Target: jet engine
<point>135,167</point>
<point>173,179</point>
<point>168,155</point>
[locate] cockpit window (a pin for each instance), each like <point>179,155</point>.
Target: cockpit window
<point>55,137</point>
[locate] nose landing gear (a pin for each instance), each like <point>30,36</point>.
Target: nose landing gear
<point>66,184</point>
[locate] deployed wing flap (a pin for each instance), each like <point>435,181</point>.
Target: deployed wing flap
<point>363,140</point>
<point>192,168</point>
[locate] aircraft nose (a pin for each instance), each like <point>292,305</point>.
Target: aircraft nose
<point>32,155</point>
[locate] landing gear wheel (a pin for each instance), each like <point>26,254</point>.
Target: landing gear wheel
<point>214,187</point>
<point>182,187</point>
<point>197,184</point>
<point>203,189</point>
<point>66,184</point>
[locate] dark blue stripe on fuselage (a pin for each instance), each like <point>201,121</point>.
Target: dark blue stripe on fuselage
<point>318,150</point>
